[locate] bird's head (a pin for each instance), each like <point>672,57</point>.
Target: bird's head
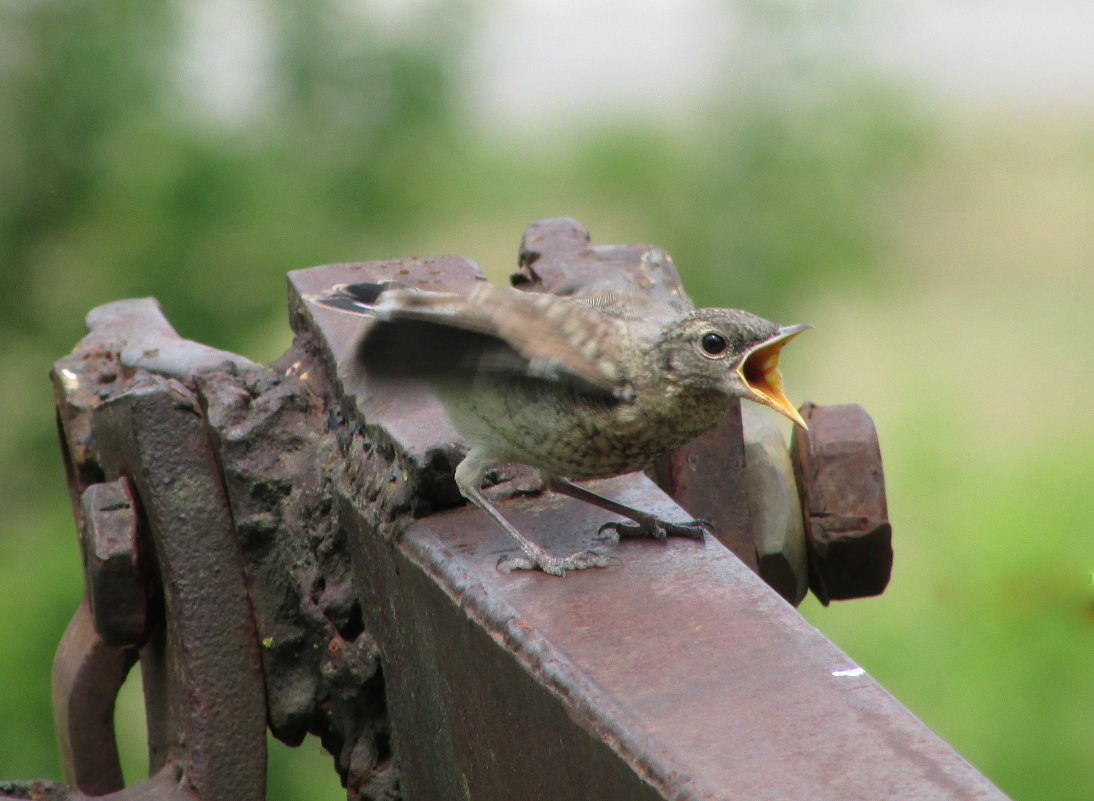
<point>733,352</point>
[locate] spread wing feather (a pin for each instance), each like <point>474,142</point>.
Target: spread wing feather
<point>434,335</point>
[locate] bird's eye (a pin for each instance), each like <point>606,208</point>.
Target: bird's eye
<point>714,344</point>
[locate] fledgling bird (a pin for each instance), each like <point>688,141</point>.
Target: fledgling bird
<point>576,387</point>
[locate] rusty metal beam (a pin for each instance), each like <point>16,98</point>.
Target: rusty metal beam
<point>676,673</point>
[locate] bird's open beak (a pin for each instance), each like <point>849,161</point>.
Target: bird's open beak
<point>760,371</point>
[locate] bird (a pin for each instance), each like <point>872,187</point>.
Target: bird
<point>576,387</point>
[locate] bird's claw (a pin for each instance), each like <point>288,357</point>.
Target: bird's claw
<point>656,528</point>
<point>554,565</point>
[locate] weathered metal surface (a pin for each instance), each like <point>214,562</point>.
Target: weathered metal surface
<point>113,578</point>
<point>148,342</point>
<point>679,664</point>
<point>164,786</point>
<point>124,337</point>
<point>201,669</point>
<point>469,720</point>
<point>556,256</point>
<point>268,439</point>
<point>413,427</point>
<point>272,430</point>
<point>145,435</point>
<point>838,462</point>
<point>776,508</point>
<point>706,477</point>
<point>87,674</point>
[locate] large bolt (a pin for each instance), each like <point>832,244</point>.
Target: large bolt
<point>114,582</point>
<point>842,485</point>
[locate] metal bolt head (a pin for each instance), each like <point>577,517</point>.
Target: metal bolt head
<point>842,485</point>
<point>114,582</point>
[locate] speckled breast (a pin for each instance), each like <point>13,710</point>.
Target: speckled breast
<point>572,435</point>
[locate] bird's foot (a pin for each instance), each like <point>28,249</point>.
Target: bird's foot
<point>656,528</point>
<point>554,565</point>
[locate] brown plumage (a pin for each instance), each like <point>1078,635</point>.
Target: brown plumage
<point>579,388</point>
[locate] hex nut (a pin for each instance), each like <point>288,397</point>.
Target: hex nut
<point>842,486</point>
<point>114,581</point>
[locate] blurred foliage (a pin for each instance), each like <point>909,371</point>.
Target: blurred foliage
<point>772,202</point>
<point>117,179</point>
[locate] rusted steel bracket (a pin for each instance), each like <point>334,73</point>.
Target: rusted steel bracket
<point>152,504</point>
<point>282,547</point>
<point>200,483</point>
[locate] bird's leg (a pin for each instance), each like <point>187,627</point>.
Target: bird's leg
<point>646,524</point>
<point>469,475</point>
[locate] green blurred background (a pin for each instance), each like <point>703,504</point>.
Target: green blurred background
<point>941,237</point>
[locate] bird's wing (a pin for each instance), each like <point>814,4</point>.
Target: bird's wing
<point>436,335</point>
